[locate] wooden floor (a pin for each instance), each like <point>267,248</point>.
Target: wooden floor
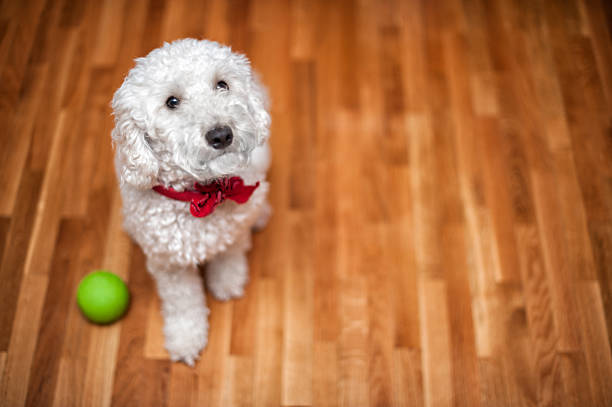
<point>442,187</point>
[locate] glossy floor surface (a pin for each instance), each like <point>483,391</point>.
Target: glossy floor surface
<point>442,193</point>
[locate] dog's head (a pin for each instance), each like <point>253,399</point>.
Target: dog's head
<point>189,111</point>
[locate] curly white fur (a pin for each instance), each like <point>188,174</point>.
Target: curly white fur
<point>156,145</point>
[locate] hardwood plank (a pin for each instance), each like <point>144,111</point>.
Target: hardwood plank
<point>238,14</point>
<point>21,44</point>
<point>597,354</point>
<point>244,321</point>
<point>46,217</point>
<point>99,373</point>
<point>399,244</point>
<point>183,386</point>
<point>296,375</point>
<point>575,378</point>
<point>14,386</point>
<point>3,356</point>
<point>268,344</point>
<point>48,115</point>
<point>560,276</point>
<point>353,355</point>
<point>302,142</point>
<point>325,285</point>
<point>62,277</point>
<point>15,251</point>
<point>109,37</point>
<point>85,151</point>
<point>239,390</point>
<point>492,389</point>
<point>601,239</point>
<point>16,142</point>
<point>5,223</point>
<point>413,65</point>
<point>213,366</point>
<point>69,376</point>
<point>599,32</point>
<point>151,36</point>
<point>215,22</point>
<point>407,380</point>
<point>374,264</point>
<point>325,363</point>
<point>304,15</point>
<point>543,332</point>
<point>497,197</point>
<point>436,343</point>
<point>460,318</point>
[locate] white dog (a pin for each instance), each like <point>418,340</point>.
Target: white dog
<point>191,135</point>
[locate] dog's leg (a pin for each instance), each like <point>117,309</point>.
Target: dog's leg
<point>184,309</point>
<point>228,272</point>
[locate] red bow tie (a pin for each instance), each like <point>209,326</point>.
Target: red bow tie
<point>205,198</point>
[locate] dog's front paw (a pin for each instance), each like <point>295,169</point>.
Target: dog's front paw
<point>226,275</point>
<point>186,335</point>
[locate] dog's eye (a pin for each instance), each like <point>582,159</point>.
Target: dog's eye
<point>222,85</point>
<point>172,102</point>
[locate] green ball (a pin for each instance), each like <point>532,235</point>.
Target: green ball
<point>102,297</point>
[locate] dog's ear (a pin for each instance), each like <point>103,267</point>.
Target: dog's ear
<point>136,163</point>
<point>258,108</point>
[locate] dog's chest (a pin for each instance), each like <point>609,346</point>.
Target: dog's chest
<point>165,228</point>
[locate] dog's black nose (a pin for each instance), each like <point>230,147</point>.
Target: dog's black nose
<point>219,137</point>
